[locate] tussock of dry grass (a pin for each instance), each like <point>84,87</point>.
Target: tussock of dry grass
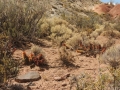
<point>112,56</point>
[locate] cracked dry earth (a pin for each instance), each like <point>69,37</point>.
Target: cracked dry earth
<point>48,81</point>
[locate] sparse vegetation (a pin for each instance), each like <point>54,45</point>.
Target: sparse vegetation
<point>74,33</point>
<point>111,57</point>
<point>66,56</point>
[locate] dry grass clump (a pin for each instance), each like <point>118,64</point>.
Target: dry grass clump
<point>109,30</point>
<point>60,33</point>
<point>82,82</point>
<point>104,82</point>
<point>117,26</point>
<point>111,33</point>
<point>74,41</point>
<point>85,82</point>
<point>112,56</point>
<point>99,29</point>
<point>36,49</point>
<point>66,56</point>
<point>8,67</point>
<point>13,87</point>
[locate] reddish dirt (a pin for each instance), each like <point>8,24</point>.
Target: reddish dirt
<point>82,64</point>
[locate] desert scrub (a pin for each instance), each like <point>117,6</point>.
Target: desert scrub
<point>60,33</point>
<point>56,29</point>
<point>36,49</point>
<point>82,81</point>
<point>104,82</point>
<point>8,67</point>
<point>84,22</point>
<point>19,19</point>
<point>111,33</point>
<point>48,23</point>
<point>74,40</point>
<point>66,56</point>
<point>99,29</point>
<point>112,58</point>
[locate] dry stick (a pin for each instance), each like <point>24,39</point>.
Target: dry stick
<point>98,56</point>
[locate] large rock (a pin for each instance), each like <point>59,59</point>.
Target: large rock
<point>30,76</point>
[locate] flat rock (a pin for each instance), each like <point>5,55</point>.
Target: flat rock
<point>64,84</point>
<point>58,78</point>
<point>30,76</point>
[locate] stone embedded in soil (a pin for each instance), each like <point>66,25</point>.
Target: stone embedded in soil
<point>64,84</point>
<point>61,78</point>
<point>30,76</point>
<point>58,78</point>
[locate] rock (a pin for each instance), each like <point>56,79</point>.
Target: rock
<point>30,76</point>
<point>61,78</point>
<point>64,84</point>
<point>58,78</point>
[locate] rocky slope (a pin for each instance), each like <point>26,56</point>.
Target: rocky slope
<point>67,7</point>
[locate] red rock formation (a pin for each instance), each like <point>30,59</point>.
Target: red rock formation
<point>102,8</point>
<point>115,11</point>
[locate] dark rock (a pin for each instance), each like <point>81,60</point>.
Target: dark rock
<point>30,76</point>
<point>64,84</point>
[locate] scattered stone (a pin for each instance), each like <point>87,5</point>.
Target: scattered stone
<point>54,7</point>
<point>41,69</point>
<point>61,78</point>
<point>64,84</point>
<point>30,76</point>
<point>58,78</point>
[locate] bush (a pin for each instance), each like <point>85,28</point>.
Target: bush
<point>66,57</point>
<point>112,57</point>
<point>19,19</point>
<point>57,29</point>
<point>60,33</point>
<point>84,22</point>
